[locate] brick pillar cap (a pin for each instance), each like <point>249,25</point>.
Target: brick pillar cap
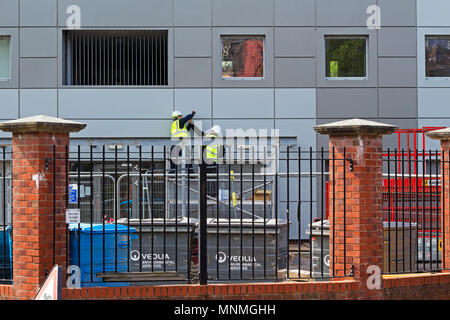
<point>41,123</point>
<point>441,134</point>
<point>355,127</point>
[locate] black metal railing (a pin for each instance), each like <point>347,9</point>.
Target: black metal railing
<point>259,216</point>
<point>144,219</point>
<point>412,212</point>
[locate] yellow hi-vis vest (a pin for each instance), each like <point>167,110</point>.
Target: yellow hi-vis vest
<point>212,150</point>
<point>178,132</point>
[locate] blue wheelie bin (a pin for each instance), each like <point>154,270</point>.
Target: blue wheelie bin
<point>101,256</point>
<point>5,253</point>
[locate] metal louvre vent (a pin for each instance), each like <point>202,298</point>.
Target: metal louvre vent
<point>115,57</point>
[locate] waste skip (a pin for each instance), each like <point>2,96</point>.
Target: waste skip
<point>105,250</point>
<point>399,246</point>
<point>320,242</point>
<point>263,254</point>
<point>163,244</point>
<point>5,253</point>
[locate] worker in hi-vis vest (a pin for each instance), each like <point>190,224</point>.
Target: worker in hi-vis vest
<point>214,152</point>
<point>180,129</point>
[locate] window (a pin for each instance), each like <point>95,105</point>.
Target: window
<point>116,58</point>
<point>346,57</point>
<point>5,58</point>
<point>437,55</point>
<point>242,57</point>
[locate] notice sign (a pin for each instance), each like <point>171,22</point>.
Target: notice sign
<point>51,290</point>
<point>73,193</point>
<point>223,195</point>
<point>72,215</point>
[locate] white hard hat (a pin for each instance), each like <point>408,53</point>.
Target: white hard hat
<point>217,130</point>
<point>175,114</point>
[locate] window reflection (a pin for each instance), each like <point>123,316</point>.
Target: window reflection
<point>438,56</point>
<point>242,57</point>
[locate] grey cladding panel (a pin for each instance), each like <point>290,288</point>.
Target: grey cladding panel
<point>9,13</point>
<point>192,12</point>
<point>300,128</point>
<point>124,129</point>
<point>245,125</point>
<point>243,103</point>
<point>242,13</point>
<point>295,72</point>
<point>38,72</point>
<point>433,102</point>
<point>398,12</point>
<point>9,103</point>
<point>193,72</point>
<point>192,42</point>
<point>199,100</point>
<point>119,13</point>
<point>345,13</point>
<point>397,72</point>
<point>295,42</point>
<point>398,102</point>
<point>38,13</point>
<point>394,42</point>
<point>295,103</point>
<point>116,103</point>
<point>38,42</point>
<point>295,12</point>
<point>347,103</point>
<point>38,101</point>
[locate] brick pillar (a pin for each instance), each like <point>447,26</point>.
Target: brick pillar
<point>34,140</point>
<point>362,245</point>
<point>444,136</point>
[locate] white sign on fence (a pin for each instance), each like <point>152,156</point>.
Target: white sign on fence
<point>223,195</point>
<point>72,215</point>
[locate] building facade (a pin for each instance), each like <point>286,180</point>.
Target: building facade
<point>123,67</point>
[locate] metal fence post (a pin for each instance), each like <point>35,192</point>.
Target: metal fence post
<point>203,232</point>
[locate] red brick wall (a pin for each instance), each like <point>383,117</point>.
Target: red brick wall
<point>412,287</point>
<point>33,208</point>
<point>6,292</point>
<point>435,286</point>
<point>430,286</point>
<point>361,240</point>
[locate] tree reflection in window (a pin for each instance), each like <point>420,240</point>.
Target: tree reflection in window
<point>242,57</point>
<point>437,50</point>
<point>346,57</point>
